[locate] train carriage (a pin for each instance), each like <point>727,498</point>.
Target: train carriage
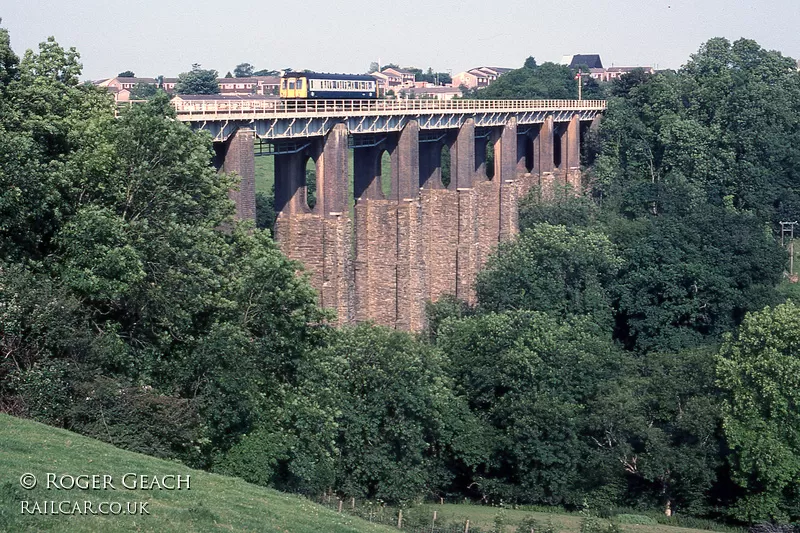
<point>313,85</point>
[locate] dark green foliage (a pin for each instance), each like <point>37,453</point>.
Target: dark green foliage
<point>265,211</point>
<point>552,269</point>
<point>143,91</point>
<point>759,372</point>
<point>126,74</point>
<point>399,422</point>
<point>725,124</point>
<point>692,276</point>
<point>126,313</point>
<point>547,80</point>
<point>243,70</point>
<point>655,429</point>
<point>197,81</point>
<point>564,209</point>
<point>527,376</point>
<point>448,306</point>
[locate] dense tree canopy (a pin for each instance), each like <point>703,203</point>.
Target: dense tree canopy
<point>547,80</point>
<point>759,370</point>
<point>243,70</point>
<point>197,81</point>
<point>109,232</point>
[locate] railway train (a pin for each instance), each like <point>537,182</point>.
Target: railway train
<point>314,85</point>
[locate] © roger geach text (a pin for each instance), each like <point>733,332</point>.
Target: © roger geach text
<point>128,481</point>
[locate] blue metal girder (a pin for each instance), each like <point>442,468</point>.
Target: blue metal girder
<point>295,128</point>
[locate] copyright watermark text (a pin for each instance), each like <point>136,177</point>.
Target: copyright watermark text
<point>129,481</point>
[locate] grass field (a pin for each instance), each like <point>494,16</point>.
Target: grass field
<point>212,503</point>
<point>484,518</point>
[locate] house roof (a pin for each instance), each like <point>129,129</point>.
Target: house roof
<point>398,71</point>
<point>590,60</point>
<point>136,80</point>
<point>494,70</point>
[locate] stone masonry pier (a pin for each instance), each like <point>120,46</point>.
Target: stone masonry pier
<point>383,258</point>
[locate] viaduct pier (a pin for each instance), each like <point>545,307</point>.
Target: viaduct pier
<point>384,257</point>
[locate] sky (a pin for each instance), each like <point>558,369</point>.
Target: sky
<point>165,37</point>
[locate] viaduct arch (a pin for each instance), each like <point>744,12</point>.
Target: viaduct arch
<point>383,258</point>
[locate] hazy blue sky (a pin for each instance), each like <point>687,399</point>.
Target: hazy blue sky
<point>154,37</point>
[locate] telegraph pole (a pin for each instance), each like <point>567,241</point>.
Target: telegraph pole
<point>787,228</point>
<point>580,85</point>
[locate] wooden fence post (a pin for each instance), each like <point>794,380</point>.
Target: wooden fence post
<point>353,502</point>
<point>340,505</point>
<point>400,519</point>
<point>466,527</point>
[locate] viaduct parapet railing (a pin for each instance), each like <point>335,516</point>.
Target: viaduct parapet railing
<point>286,119</point>
<point>382,253</point>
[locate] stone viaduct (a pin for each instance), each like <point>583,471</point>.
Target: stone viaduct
<point>384,257</point>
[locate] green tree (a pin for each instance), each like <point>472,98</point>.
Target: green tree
<point>532,81</point>
<point>399,423</point>
<point>126,74</point>
<point>690,275</point>
<point>654,430</point>
<point>551,269</point>
<point>141,320</point>
<point>143,91</point>
<point>723,123</point>
<point>243,70</point>
<point>528,377</point>
<point>759,371</point>
<point>197,81</point>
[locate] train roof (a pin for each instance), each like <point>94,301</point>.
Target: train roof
<point>326,76</point>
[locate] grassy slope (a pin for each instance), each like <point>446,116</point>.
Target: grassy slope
<point>214,503</point>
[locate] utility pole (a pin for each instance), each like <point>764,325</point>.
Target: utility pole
<point>578,77</point>
<point>787,228</point>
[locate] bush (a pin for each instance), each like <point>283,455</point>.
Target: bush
<point>636,519</point>
<point>773,528</point>
<point>529,524</point>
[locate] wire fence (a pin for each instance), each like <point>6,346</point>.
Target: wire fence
<point>410,520</point>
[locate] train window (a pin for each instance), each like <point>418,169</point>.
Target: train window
<point>300,83</point>
<point>291,85</point>
<point>283,84</point>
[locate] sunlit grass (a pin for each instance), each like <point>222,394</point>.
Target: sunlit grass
<point>212,503</point>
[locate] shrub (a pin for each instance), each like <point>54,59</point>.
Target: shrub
<point>636,519</point>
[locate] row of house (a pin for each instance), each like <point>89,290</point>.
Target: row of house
<point>596,69</point>
<point>121,87</point>
<point>397,81</point>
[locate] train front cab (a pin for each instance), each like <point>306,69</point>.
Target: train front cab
<point>294,87</point>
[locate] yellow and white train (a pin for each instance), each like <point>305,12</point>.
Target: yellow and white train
<point>314,85</point>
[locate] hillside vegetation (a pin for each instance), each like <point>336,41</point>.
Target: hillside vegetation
<point>213,502</point>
